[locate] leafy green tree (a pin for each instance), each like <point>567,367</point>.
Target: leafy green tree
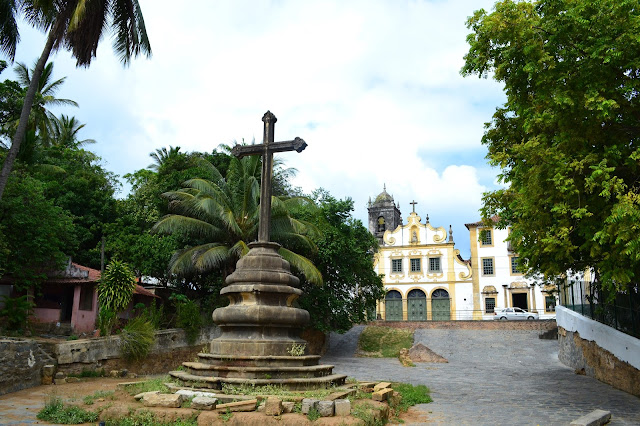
<point>116,286</point>
<point>75,25</point>
<point>220,216</point>
<point>35,233</point>
<point>345,253</point>
<point>567,138</point>
<point>64,132</point>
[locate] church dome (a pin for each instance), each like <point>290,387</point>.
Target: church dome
<point>384,197</point>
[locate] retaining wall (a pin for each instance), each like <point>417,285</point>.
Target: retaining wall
<point>21,363</point>
<point>599,351</point>
<point>540,325</point>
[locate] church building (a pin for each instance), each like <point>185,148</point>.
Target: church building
<point>426,279</point>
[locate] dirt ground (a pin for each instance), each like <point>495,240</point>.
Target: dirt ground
<point>22,407</point>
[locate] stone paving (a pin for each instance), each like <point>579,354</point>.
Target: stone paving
<point>494,377</point>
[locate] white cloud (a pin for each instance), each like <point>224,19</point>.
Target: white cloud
<point>372,86</point>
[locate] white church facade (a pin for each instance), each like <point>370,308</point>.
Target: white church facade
<point>426,279</point>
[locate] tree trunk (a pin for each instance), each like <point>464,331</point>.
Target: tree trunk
<point>24,115</point>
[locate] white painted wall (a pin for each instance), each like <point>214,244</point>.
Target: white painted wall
<point>624,347</point>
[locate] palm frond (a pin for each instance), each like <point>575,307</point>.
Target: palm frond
<point>210,257</point>
<point>183,262</point>
<point>173,223</point>
<point>302,264</point>
<point>239,249</point>
<point>9,35</point>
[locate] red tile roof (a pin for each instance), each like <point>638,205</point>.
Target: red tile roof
<point>143,291</point>
<point>494,219</point>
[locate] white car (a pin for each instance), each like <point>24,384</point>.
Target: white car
<point>514,314</point>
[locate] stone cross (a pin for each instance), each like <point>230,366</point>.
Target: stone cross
<point>266,149</point>
<point>413,203</point>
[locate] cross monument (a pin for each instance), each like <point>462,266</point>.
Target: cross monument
<point>266,149</point>
<point>413,203</point>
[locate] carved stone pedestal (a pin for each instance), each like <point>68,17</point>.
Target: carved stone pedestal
<point>260,330</point>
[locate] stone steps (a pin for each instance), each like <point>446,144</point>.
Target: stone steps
<point>259,361</point>
<point>292,383</point>
<point>266,372</point>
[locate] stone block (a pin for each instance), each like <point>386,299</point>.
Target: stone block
<point>190,394</point>
<point>594,418</point>
<point>60,375</point>
<point>60,381</point>
<point>48,371</point>
<point>341,395</point>
<point>382,395</point>
<point>325,408</point>
<point>288,406</point>
<point>203,403</point>
<point>163,400</point>
<point>395,399</point>
<point>248,405</point>
<point>308,404</point>
<point>141,395</point>
<point>260,408</point>
<point>381,385</point>
<point>273,407</point>
<point>342,407</point>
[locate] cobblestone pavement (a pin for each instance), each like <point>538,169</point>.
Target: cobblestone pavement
<point>494,377</point>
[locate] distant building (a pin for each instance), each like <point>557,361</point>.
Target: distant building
<point>427,280</point>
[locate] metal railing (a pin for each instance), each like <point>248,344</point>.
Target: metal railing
<point>620,311</point>
<point>450,315</point>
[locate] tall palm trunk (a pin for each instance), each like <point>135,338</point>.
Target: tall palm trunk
<point>26,110</point>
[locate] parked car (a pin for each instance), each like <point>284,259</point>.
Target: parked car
<point>514,314</point>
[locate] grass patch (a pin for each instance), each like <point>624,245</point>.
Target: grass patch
<point>411,395</point>
<point>313,414</point>
<point>90,399</point>
<point>55,411</point>
<point>365,413</point>
<point>384,342</point>
<point>147,418</point>
<point>157,384</point>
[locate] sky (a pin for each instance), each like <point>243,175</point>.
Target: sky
<point>372,86</point>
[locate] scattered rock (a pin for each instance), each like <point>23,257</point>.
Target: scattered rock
<point>421,353</point>
<point>60,375</point>
<point>203,403</point>
<point>308,404</point>
<point>288,406</point>
<point>325,408</point>
<point>248,405</point>
<point>341,395</point>
<point>403,356</point>
<point>163,400</point>
<point>381,385</point>
<point>190,394</point>
<point>273,407</point>
<point>342,407</point>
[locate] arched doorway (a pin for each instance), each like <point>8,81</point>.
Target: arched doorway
<point>440,305</point>
<point>393,306</point>
<point>417,305</point>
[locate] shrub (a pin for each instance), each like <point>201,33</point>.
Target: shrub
<point>16,310</point>
<point>54,411</point>
<point>116,286</point>
<point>136,339</point>
<point>189,319</point>
<point>107,319</point>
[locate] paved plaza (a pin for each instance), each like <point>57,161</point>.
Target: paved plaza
<point>494,377</point>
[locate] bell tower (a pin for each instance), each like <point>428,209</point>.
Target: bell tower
<point>384,215</point>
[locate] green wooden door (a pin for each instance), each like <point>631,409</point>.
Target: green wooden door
<point>440,305</point>
<point>417,305</point>
<point>393,306</point>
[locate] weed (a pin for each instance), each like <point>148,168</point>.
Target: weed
<point>72,337</point>
<point>297,349</point>
<point>226,416</point>
<point>157,384</point>
<point>54,411</point>
<point>137,338</point>
<point>365,413</point>
<point>314,414</point>
<point>89,399</point>
<point>411,395</point>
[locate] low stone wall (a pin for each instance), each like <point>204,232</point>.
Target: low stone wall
<point>599,351</point>
<point>169,351</point>
<point>541,325</point>
<point>21,363</point>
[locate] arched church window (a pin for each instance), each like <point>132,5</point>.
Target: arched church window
<point>440,294</point>
<point>393,294</point>
<point>381,225</point>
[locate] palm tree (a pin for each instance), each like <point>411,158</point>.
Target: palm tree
<point>64,132</point>
<point>41,119</point>
<point>161,156</point>
<point>222,216</point>
<point>76,25</point>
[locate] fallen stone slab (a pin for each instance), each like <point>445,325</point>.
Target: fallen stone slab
<point>341,395</point>
<point>381,385</point>
<point>248,405</point>
<point>169,400</point>
<point>141,395</point>
<point>594,418</point>
<point>382,395</point>
<point>203,403</point>
<point>190,394</point>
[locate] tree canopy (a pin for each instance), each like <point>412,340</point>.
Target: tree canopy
<point>567,138</point>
